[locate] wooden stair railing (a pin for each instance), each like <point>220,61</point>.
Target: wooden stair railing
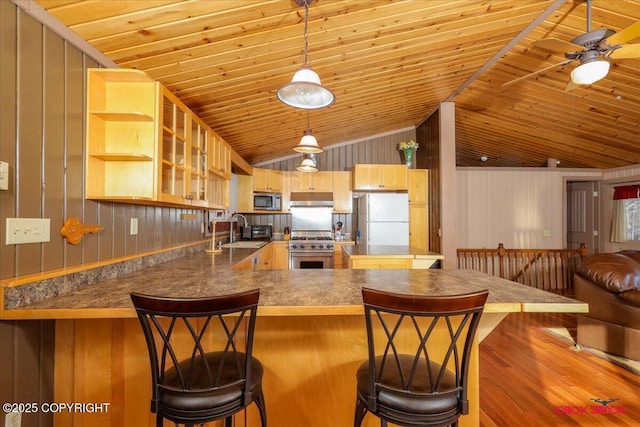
<point>548,269</point>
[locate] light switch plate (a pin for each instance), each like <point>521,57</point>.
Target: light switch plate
<point>28,230</point>
<point>4,176</point>
<point>133,228</point>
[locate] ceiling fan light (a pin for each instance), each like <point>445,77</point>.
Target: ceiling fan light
<point>305,91</point>
<point>590,72</point>
<point>307,165</point>
<point>308,144</point>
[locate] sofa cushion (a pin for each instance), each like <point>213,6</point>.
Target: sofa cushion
<point>631,297</point>
<point>635,255</point>
<point>613,272</point>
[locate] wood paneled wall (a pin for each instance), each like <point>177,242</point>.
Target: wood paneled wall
<point>42,87</point>
<point>513,206</point>
<point>428,136</point>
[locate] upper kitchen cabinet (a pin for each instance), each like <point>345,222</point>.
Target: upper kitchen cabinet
<point>342,194</point>
<point>312,182</point>
<point>121,139</point>
<point>220,157</point>
<point>267,180</point>
<point>143,145</point>
<point>175,141</point>
<point>199,162</point>
<point>368,177</point>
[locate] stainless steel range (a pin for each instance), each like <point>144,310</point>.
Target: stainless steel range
<point>311,244</point>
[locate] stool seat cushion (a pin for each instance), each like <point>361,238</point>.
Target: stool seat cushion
<point>206,390</point>
<point>393,396</point>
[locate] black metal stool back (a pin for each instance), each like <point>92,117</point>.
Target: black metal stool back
<point>200,351</point>
<point>419,354</point>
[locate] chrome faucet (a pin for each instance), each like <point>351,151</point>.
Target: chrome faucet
<point>236,215</point>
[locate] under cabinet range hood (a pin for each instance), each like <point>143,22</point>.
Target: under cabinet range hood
<point>312,199</point>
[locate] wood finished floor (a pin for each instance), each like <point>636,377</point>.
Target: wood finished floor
<point>528,378</point>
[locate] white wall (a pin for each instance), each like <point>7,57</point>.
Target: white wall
<point>513,206</point>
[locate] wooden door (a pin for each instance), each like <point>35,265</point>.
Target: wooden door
<point>581,215</point>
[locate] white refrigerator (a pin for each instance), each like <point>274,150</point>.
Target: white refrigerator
<point>383,219</point>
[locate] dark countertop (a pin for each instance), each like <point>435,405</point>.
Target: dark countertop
<point>284,292</point>
<point>392,251</point>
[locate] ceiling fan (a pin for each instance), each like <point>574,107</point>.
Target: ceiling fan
<point>593,49</point>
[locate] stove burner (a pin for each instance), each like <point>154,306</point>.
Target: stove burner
<point>311,238</point>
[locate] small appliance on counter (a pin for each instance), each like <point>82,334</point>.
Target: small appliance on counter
<point>257,232</point>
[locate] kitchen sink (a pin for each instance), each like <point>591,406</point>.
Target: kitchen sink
<point>247,244</point>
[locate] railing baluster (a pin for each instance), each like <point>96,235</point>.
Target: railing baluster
<point>548,269</point>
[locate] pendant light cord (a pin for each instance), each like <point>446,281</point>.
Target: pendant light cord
<point>306,35</point>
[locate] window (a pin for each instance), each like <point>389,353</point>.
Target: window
<point>632,219</point>
<point>625,224</point>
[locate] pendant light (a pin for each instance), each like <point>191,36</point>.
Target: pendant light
<point>591,69</point>
<point>308,144</point>
<point>309,164</point>
<point>305,90</point>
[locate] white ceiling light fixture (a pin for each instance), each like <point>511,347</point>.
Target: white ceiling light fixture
<point>309,164</point>
<point>305,90</point>
<point>591,69</point>
<point>308,144</point>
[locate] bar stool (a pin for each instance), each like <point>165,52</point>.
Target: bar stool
<point>199,370</point>
<point>426,385</point>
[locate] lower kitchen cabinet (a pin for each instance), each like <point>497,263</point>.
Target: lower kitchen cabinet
<point>280,255</point>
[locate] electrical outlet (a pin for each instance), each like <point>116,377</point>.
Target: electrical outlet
<point>133,228</point>
<point>28,230</point>
<point>13,419</point>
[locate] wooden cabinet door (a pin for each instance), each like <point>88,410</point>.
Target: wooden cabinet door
<point>199,163</point>
<point>342,194</point>
<point>322,182</point>
<point>174,165</point>
<point>280,256</point>
<point>394,177</point>
<point>267,180</point>
<point>417,186</point>
<point>379,177</point>
<point>418,226</point>
<point>366,177</point>
<point>262,259</point>
<point>312,182</point>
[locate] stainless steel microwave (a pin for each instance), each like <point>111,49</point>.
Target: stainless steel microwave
<point>267,201</point>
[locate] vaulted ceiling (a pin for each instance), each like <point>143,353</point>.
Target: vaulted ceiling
<point>389,63</point>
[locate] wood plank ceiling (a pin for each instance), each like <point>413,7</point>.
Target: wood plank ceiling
<point>389,63</point>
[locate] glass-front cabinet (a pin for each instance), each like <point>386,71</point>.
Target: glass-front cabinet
<point>174,145</point>
<point>198,169</point>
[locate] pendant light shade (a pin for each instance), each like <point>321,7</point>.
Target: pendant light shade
<point>590,71</point>
<point>305,90</point>
<point>309,164</point>
<point>308,144</point>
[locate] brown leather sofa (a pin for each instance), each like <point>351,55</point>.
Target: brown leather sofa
<point>610,284</point>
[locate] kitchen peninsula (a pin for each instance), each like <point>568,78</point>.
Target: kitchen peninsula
<point>310,333</point>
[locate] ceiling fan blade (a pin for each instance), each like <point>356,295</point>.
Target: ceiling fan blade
<point>625,35</point>
<point>555,45</point>
<point>526,76</point>
<point>626,51</point>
